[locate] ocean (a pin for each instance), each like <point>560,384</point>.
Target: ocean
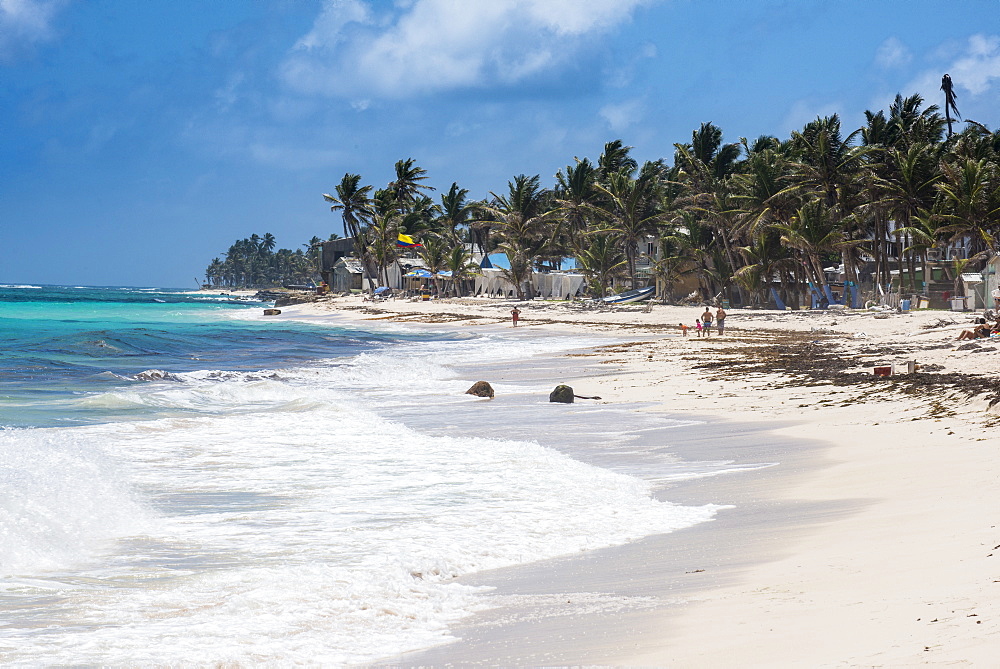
<point>184,481</point>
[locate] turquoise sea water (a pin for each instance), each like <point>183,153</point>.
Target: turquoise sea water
<point>61,343</point>
<point>286,493</point>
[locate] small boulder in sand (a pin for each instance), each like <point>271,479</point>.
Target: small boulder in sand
<point>562,393</point>
<point>480,389</point>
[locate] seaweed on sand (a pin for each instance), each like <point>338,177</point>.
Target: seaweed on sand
<point>802,359</point>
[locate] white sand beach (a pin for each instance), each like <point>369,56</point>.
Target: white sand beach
<point>875,542</point>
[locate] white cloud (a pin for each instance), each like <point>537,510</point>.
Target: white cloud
<point>425,46</point>
<point>975,72</point>
<point>979,68</point>
<point>623,114</point>
<point>24,23</point>
<point>892,53</point>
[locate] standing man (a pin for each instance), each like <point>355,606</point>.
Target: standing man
<point>706,321</point>
<point>996,298</point>
<point>515,314</point>
<point>720,319</point>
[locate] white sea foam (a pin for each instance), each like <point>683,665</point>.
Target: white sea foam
<point>62,501</point>
<point>286,519</point>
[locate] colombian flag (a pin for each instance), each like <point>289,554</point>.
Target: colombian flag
<point>406,241</point>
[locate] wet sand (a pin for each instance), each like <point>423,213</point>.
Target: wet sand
<point>872,542</point>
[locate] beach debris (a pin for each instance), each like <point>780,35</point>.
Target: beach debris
<point>861,335</point>
<point>272,312</point>
<point>587,397</point>
<point>883,371</point>
<point>481,389</point>
<point>968,347</point>
<point>562,394</point>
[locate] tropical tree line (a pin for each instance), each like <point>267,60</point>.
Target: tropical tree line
<point>751,220</point>
<point>253,262</point>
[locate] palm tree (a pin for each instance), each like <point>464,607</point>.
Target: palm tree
<point>434,253</point>
<point>908,188</point>
<point>456,211</point>
<point>631,213</point>
<point>268,242</point>
<point>458,261</point>
<point>575,194</point>
<point>615,159</point>
<point>829,167</point>
<point>970,191</point>
<point>520,258</point>
<point>406,186</point>
<point>381,247</point>
<point>352,200</point>
<point>601,259</point>
<point>521,216</point>
<point>815,231</point>
<point>949,101</point>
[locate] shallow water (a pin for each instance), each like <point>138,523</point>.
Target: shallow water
<point>290,493</point>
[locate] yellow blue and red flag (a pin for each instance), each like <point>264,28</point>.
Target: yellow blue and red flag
<point>406,241</point>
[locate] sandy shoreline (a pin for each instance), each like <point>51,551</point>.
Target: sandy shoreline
<point>874,549</point>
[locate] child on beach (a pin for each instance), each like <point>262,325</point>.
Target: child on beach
<point>515,315</point>
<point>684,329</point>
<point>697,326</point>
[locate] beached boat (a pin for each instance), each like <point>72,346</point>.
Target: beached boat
<point>636,295</point>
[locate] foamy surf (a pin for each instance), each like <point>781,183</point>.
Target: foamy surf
<point>319,512</point>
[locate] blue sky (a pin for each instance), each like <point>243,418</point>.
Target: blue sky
<point>138,140</point>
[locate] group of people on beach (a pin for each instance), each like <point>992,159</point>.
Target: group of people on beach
<point>703,324</point>
<point>982,329</point>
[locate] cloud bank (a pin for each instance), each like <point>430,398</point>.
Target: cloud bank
<point>427,46</point>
